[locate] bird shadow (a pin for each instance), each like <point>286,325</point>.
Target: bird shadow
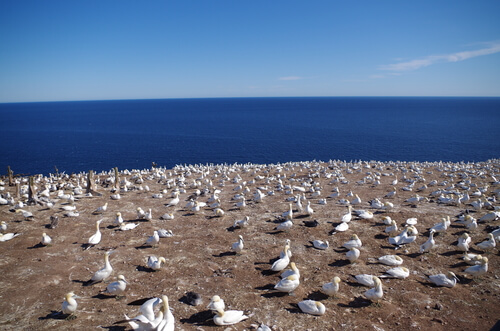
<point>231,228</point>
<point>54,315</point>
<point>274,294</point>
<point>317,296</point>
<point>83,282</point>
<point>101,296</point>
<point>143,247</point>
<point>224,254</point>
<point>39,245</point>
<point>413,255</point>
<point>381,236</point>
<point>200,318</point>
<point>275,232</point>
<point>138,302</point>
<point>294,309</point>
<point>451,253</point>
<point>265,287</point>
<point>143,268</point>
<point>358,302</point>
<point>114,328</point>
<point>339,263</point>
<point>87,246</point>
<point>459,265</point>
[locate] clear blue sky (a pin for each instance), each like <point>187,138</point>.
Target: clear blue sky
<point>98,49</point>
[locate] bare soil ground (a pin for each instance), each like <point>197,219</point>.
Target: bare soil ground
<point>34,278</point>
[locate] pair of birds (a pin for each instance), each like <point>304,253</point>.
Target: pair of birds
<point>148,320</point>
<point>223,317</point>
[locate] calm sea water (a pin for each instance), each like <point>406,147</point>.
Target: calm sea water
<point>129,134</point>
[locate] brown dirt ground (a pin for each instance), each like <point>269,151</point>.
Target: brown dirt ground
<point>35,279</point>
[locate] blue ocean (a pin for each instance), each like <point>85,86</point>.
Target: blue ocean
<point>131,134</point>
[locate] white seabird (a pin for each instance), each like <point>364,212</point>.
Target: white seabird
<point>312,307</point>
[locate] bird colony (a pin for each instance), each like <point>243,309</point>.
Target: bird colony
<point>292,246</point>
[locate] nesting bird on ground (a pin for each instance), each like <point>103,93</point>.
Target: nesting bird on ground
<point>282,262</point>
<point>128,226</point>
<point>479,269</point>
<point>46,240</point>
<point>319,244</point>
<point>96,237</point>
<point>174,201</point>
<point>397,272</point>
<point>392,260</point>
<point>229,317</point>
<point>312,307</point>
<point>440,227</point>
<point>448,280</point>
<point>103,273</point>
<point>365,279</point>
<point>155,263</point>
<point>488,244</point>
<point>407,236</point>
<point>288,284</point>
<point>219,212</point>
<point>243,223</point>
<point>356,201</point>
<point>153,240</point>
<point>376,293</point>
<point>167,216</point>
<point>3,226</point>
<point>348,216</point>
<point>237,247</point>
<point>101,209</point>
<point>141,214</point>
<point>391,194</point>
<point>429,244</point>
<point>69,304</point>
<point>162,233</point>
<point>353,242</point>
<point>342,227</point>
<point>293,271</point>
<point>392,229</point>
<point>288,249</point>
<point>331,288</point>
<point>365,214</point>
<point>8,236</point>
<point>463,242</point>
<point>118,287</point>
<point>118,219</point>
<point>216,303</point>
<point>353,254</point>
<point>285,226</point>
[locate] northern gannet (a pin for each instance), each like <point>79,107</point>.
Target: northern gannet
<point>284,226</point>
<point>155,263</point>
<point>472,259</point>
<point>167,216</point>
<point>392,229</point>
<point>312,307</point>
<point>282,262</point>
<point>216,303</point>
<point>243,223</point>
<point>96,237</point>
<point>118,219</point>
<point>342,227</point>
<point>478,270</point>
<point>26,214</point>
<point>365,279</point>
<point>229,317</point>
<point>397,272</point>
<point>288,215</point>
<point>289,251</point>
<point>392,260</point>
<point>118,287</point>
<point>105,272</point>
<point>168,321</point>
<point>463,242</point>
<point>237,247</point>
<point>219,212</point>
<point>407,236</point>
<point>448,280</point>
<point>356,201</point>
<point>309,210</point>
<point>353,242</point>
<point>101,209</point>
<point>128,226</point>
<point>288,284</point>
<point>320,244</point>
<point>162,233</point>
<point>140,213</point>
<point>487,245</point>
<point>365,214</point>
<point>148,215</point>
<point>293,271</point>
<point>331,288</point>
<point>8,236</point>
<point>353,254</point>
<point>69,304</point>
<point>153,240</point>
<point>392,193</point>
<point>3,226</point>
<point>147,321</point>
<point>376,293</point>
<point>46,240</point>
<point>387,220</point>
<point>174,201</point>
<point>429,244</point>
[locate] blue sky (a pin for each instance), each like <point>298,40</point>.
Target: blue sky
<point>98,49</point>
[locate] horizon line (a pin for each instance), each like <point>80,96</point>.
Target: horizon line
<point>257,97</point>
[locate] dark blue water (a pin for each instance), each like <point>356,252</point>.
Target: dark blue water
<point>130,134</point>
